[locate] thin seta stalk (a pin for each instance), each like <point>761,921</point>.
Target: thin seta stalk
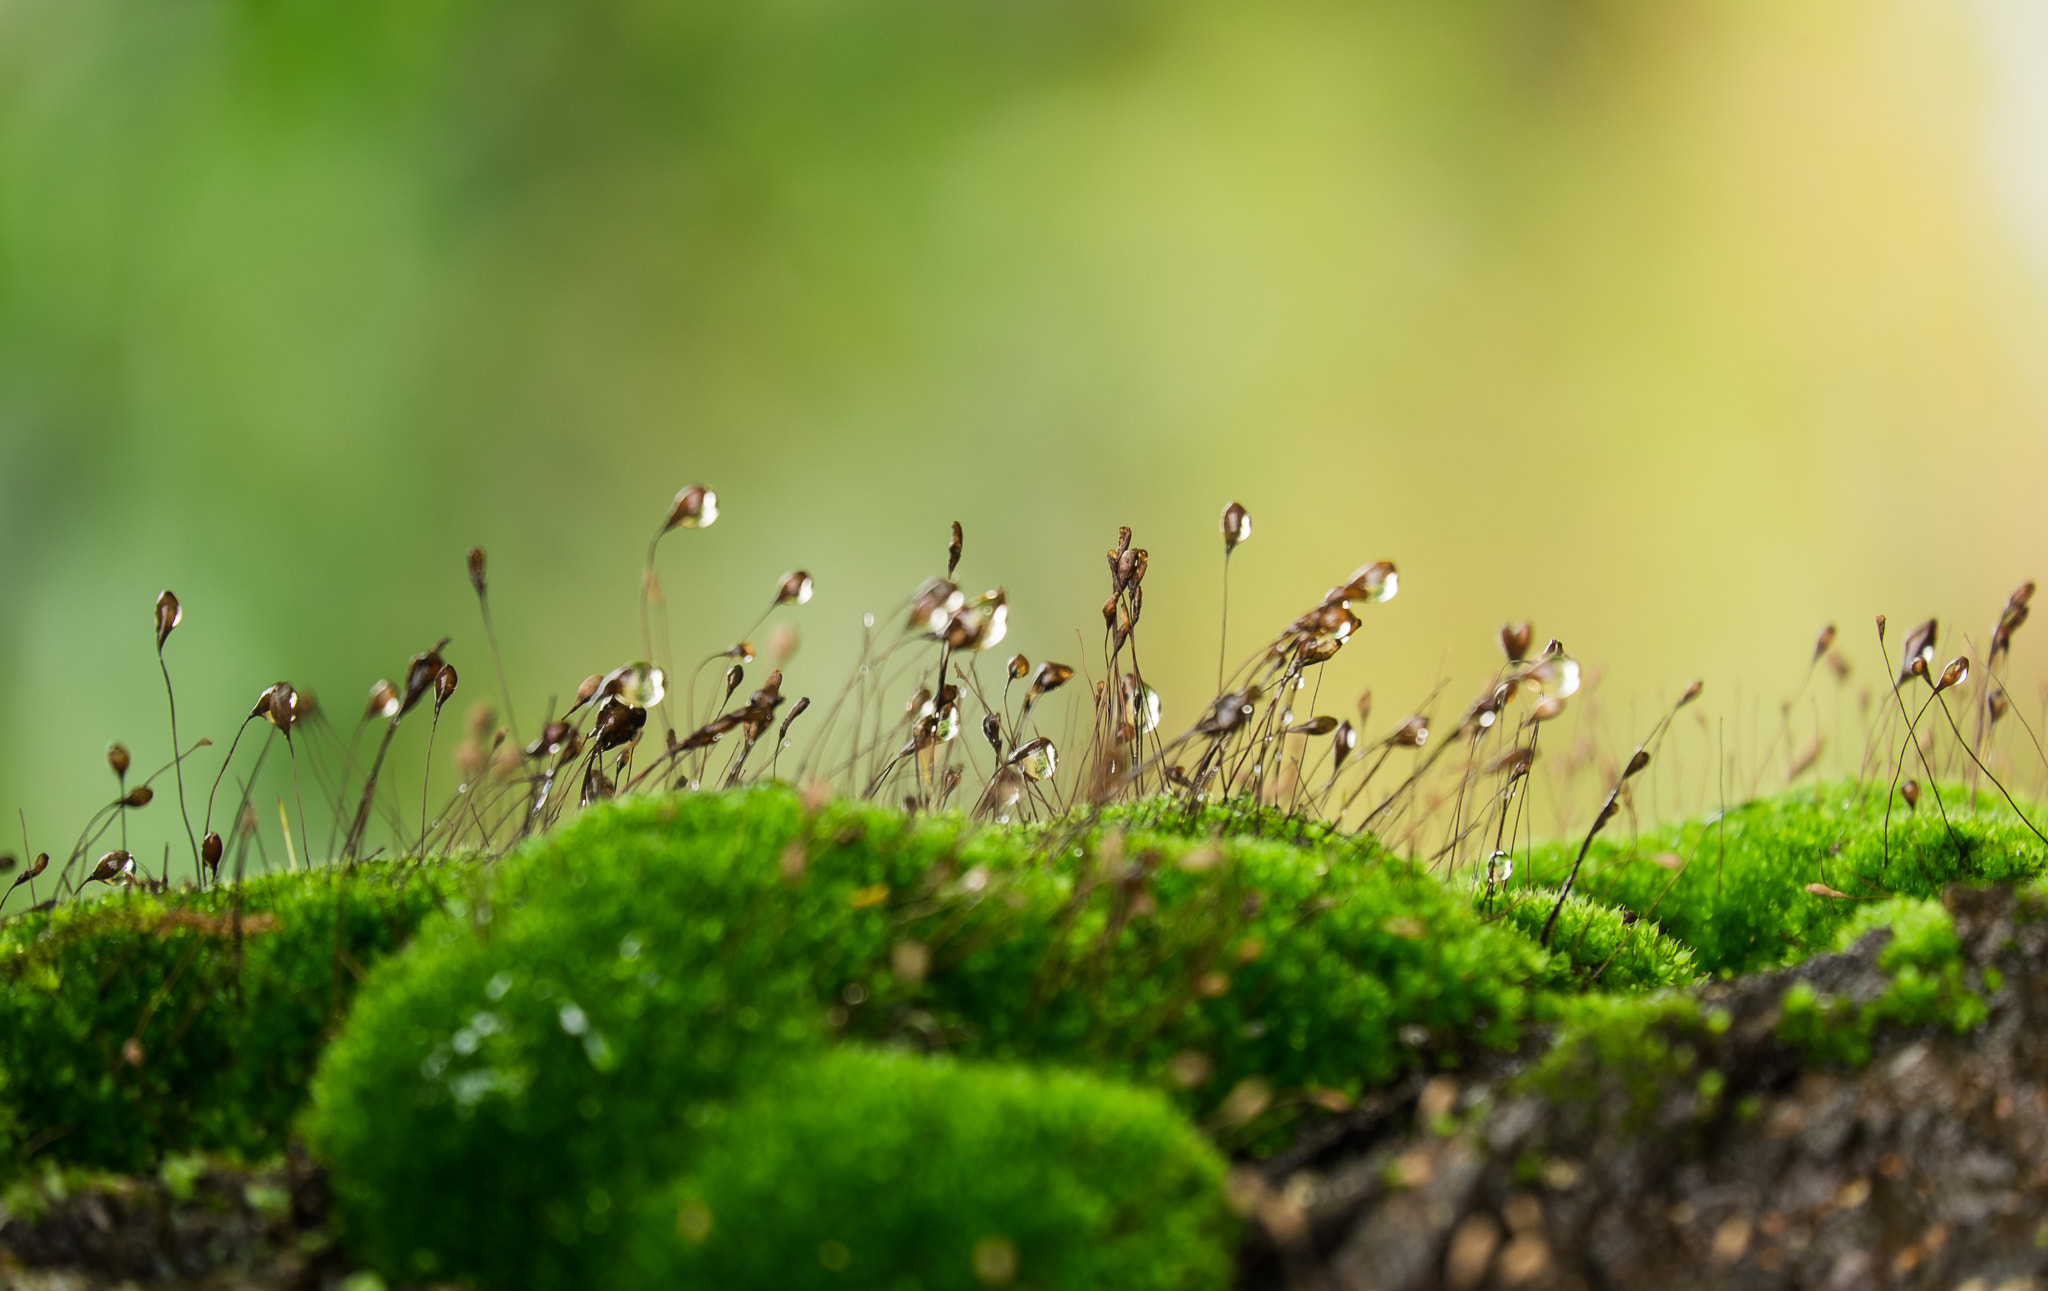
<point>1637,761</point>
<point>168,615</point>
<point>695,507</point>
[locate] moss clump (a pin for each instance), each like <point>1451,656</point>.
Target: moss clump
<point>1593,946</point>
<point>1738,895</point>
<point>555,1049</point>
<point>138,1025</point>
<point>649,965</point>
<point>897,1171</point>
<point>1928,987</point>
<point>1151,957</point>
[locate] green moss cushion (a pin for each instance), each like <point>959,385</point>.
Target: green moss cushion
<point>135,1025</point>
<point>901,1172</point>
<point>551,1051</point>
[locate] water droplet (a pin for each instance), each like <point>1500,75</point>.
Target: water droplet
<point>1147,710</point>
<point>1957,672</point>
<point>1037,759</point>
<point>694,508</point>
<point>1412,733</point>
<point>975,625</point>
<point>795,588</point>
<point>1374,584</point>
<point>1555,675</point>
<point>1141,705</point>
<point>933,604</point>
<point>384,701</point>
<point>1237,526</point>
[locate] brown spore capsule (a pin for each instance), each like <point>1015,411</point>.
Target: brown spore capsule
<point>1237,526</point>
<point>795,588</point>
<point>694,508</point>
<point>168,615</point>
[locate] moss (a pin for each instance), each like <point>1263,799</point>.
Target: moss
<point>1266,961</point>
<point>138,1025</point>
<point>1824,1026</point>
<point>1243,817</point>
<point>565,1041</point>
<point>702,941</point>
<point>1594,946</point>
<point>1928,987</point>
<point>897,1171</point>
<point>1739,896</point>
<point>1651,1049</point>
<point>1641,1047</point>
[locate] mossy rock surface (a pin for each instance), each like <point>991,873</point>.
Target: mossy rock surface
<point>134,1025</point>
<point>1705,1139</point>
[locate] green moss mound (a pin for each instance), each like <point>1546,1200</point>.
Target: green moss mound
<point>1734,887</point>
<point>1153,957</point>
<point>559,1045</point>
<point>554,1048</point>
<point>137,1025</point>
<point>895,1171</point>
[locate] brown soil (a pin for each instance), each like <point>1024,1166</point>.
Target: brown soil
<point>232,1230</point>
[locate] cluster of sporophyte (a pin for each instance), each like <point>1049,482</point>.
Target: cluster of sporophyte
<point>923,722</point>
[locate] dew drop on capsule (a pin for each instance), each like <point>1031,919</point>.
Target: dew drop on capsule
<point>1146,712</point>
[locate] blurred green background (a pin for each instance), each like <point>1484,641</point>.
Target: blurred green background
<point>1680,329</point>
